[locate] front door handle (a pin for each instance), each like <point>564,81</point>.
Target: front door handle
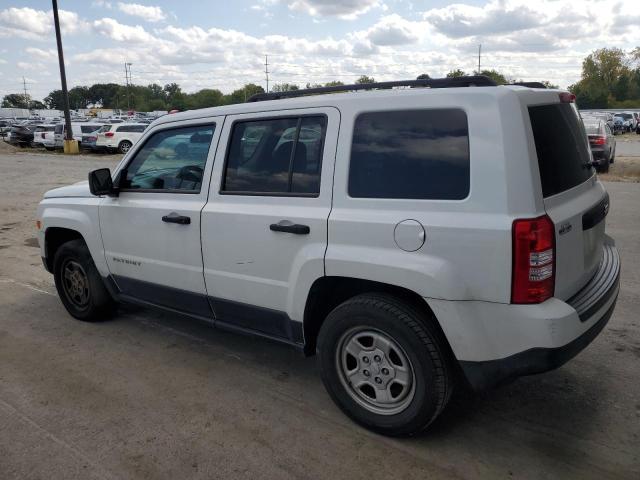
<point>173,217</point>
<point>288,227</point>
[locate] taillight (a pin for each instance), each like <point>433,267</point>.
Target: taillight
<point>597,140</point>
<point>566,97</point>
<point>108,134</point>
<point>533,274</point>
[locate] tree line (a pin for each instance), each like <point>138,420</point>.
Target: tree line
<point>610,78</point>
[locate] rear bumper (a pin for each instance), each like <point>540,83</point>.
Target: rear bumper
<point>495,343</point>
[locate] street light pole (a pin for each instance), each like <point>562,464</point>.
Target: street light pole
<point>69,145</point>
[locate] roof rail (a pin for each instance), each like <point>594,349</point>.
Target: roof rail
<point>530,84</point>
<point>466,81</point>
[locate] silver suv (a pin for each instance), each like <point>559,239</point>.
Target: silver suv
<point>413,238</point>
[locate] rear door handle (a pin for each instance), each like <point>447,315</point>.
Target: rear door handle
<point>173,217</point>
<point>288,227</point>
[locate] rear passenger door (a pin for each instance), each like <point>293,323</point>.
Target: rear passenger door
<point>264,228</point>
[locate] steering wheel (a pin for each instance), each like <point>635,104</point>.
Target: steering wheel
<point>190,173</point>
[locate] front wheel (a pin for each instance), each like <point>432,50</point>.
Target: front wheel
<point>79,284</point>
<point>385,364</point>
<point>124,146</point>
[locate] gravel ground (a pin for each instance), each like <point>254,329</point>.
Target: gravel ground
<point>152,395</point>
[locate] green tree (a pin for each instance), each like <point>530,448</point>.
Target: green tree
<point>548,84</point>
<point>456,73</point>
<point>206,98</point>
<point>423,76</point>
<point>243,94</point>
<point>496,76</point>
<point>16,100</point>
<point>605,66</point>
<point>334,83</point>
<point>365,79</point>
<point>79,97</point>
<point>54,100</point>
<point>284,87</point>
<point>36,105</point>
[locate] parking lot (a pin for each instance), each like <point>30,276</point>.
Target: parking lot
<point>153,395</point>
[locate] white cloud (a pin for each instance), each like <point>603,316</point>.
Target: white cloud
<point>345,9</point>
<point>48,55</point>
<point>148,13</point>
<point>102,4</point>
<point>394,30</point>
<point>120,32</point>
<point>34,24</point>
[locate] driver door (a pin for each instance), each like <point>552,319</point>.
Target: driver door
<point>151,231</point>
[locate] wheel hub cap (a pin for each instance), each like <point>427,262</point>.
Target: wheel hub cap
<point>375,371</point>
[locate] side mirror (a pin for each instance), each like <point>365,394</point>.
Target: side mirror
<point>100,182</point>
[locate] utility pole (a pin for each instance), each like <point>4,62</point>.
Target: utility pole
<point>26,97</point>
<point>70,146</point>
<point>127,79</point>
<point>266,70</point>
<point>479,54</point>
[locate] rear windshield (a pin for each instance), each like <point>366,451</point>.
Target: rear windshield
<point>561,145</point>
<point>592,128</point>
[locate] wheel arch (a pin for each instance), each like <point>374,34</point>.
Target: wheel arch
<point>328,292</point>
<point>54,238</point>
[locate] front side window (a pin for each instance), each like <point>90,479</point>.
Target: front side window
<point>276,156</point>
<point>410,154</point>
<point>171,160</point>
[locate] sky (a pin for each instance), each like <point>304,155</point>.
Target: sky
<point>222,44</point>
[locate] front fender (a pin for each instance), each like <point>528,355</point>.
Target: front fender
<point>77,214</point>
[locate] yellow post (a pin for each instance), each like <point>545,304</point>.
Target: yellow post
<point>71,147</point>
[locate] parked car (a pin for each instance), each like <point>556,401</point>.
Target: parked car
<point>627,121</point>
<point>412,245</point>
<point>89,133</point>
<point>5,127</point>
<point>21,135</point>
<point>44,136</point>
<point>618,125</point>
<point>633,120</point>
<point>602,143</point>
<point>80,131</point>
<point>120,137</point>
<point>604,116</point>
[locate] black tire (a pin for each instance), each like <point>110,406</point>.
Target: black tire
<point>419,341</point>
<point>124,146</point>
<point>98,304</point>
<point>604,168</point>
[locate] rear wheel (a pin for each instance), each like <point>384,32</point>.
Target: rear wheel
<point>124,146</point>
<point>79,284</point>
<point>385,364</point>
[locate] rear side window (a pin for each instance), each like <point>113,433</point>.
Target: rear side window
<point>417,154</point>
<point>58,129</point>
<point>89,128</point>
<point>275,156</point>
<point>561,145</point>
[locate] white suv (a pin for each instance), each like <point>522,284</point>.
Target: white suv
<point>412,238</point>
<point>120,136</point>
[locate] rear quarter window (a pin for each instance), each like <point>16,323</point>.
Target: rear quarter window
<point>410,154</point>
<point>561,146</point>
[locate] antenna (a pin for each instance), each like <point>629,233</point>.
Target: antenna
<point>266,70</point>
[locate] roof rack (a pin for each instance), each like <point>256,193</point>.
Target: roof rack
<point>466,81</point>
<point>530,84</point>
